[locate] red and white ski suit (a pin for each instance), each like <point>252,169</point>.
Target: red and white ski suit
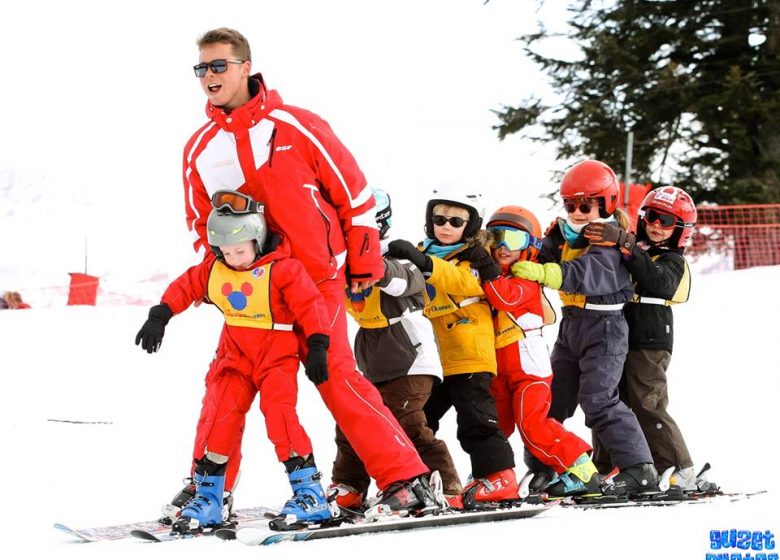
<point>315,194</point>
<point>258,350</point>
<point>522,386</point>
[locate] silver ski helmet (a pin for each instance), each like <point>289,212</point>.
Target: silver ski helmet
<point>226,228</point>
<point>384,213</point>
<point>455,196</point>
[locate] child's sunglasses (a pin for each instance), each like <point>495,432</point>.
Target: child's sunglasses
<point>665,221</point>
<point>514,239</point>
<point>455,221</point>
<point>572,205</point>
<point>235,202</point>
<point>217,66</point>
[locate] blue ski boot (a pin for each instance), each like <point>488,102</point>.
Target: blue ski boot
<point>309,503</point>
<point>205,508</point>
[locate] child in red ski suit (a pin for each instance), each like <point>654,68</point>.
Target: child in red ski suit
<point>522,386</point>
<point>261,291</point>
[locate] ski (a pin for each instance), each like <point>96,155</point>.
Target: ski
<point>123,531</point>
<point>256,535</point>
<point>669,498</point>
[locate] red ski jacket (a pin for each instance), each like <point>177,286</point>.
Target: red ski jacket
<point>272,295</point>
<point>290,160</point>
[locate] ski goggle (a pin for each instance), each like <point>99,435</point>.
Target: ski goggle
<point>585,206</point>
<point>514,239</point>
<point>217,66</point>
<point>454,221</point>
<point>235,202</point>
<point>665,221</point>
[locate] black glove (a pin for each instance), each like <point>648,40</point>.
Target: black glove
<point>483,263</point>
<point>610,235</point>
<point>317,359</point>
<point>402,249</point>
<point>151,334</point>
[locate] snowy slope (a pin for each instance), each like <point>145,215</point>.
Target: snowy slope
<point>80,364</point>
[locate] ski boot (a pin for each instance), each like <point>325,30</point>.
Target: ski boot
<point>497,487</point>
<point>308,504</point>
<point>533,483</point>
<point>632,480</point>
<point>688,481</point>
<point>346,496</point>
<point>170,511</point>
<point>205,508</point>
<point>416,496</point>
<point>580,479</point>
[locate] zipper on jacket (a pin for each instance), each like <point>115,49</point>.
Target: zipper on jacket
<point>272,144</point>
<point>364,245</point>
<point>324,219</point>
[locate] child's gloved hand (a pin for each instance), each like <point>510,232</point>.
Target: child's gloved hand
<point>402,249</point>
<point>317,358</point>
<point>609,235</point>
<point>549,274</point>
<point>151,334</point>
<point>483,263</point>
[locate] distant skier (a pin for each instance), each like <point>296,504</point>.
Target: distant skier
<point>654,256</point>
<point>396,351</point>
<point>522,386</point>
<point>262,292</point>
<point>592,343</point>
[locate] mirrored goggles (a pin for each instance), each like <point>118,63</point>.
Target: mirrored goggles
<point>665,221</point>
<point>217,66</point>
<point>514,239</point>
<point>235,202</point>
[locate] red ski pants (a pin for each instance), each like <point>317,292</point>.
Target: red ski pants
<point>354,402</point>
<point>231,385</point>
<point>524,400</point>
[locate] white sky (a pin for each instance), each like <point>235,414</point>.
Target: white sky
<point>100,98</point>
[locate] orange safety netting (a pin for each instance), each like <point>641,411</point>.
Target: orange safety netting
<point>747,234</point>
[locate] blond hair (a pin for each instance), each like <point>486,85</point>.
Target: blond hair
<point>13,299</point>
<point>227,36</point>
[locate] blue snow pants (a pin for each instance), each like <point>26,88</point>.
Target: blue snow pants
<point>587,362</point>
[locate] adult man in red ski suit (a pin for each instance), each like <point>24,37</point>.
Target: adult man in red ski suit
<point>314,193</point>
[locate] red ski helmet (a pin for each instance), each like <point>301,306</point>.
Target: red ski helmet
<point>674,201</point>
<point>591,178</point>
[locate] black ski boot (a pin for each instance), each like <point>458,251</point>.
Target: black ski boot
<point>632,480</point>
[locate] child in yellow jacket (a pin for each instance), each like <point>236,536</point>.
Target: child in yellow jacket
<point>452,263</point>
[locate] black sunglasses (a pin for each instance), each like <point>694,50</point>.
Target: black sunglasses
<point>217,66</point>
<point>455,221</point>
<point>571,207</point>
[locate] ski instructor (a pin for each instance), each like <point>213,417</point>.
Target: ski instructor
<point>314,193</point>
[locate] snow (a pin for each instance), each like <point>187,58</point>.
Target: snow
<point>79,364</point>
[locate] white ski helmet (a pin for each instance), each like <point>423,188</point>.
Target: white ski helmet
<point>227,228</point>
<point>456,196</point>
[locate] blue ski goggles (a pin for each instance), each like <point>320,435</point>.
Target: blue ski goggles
<point>514,239</point>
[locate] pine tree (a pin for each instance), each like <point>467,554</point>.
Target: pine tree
<point>697,81</point>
